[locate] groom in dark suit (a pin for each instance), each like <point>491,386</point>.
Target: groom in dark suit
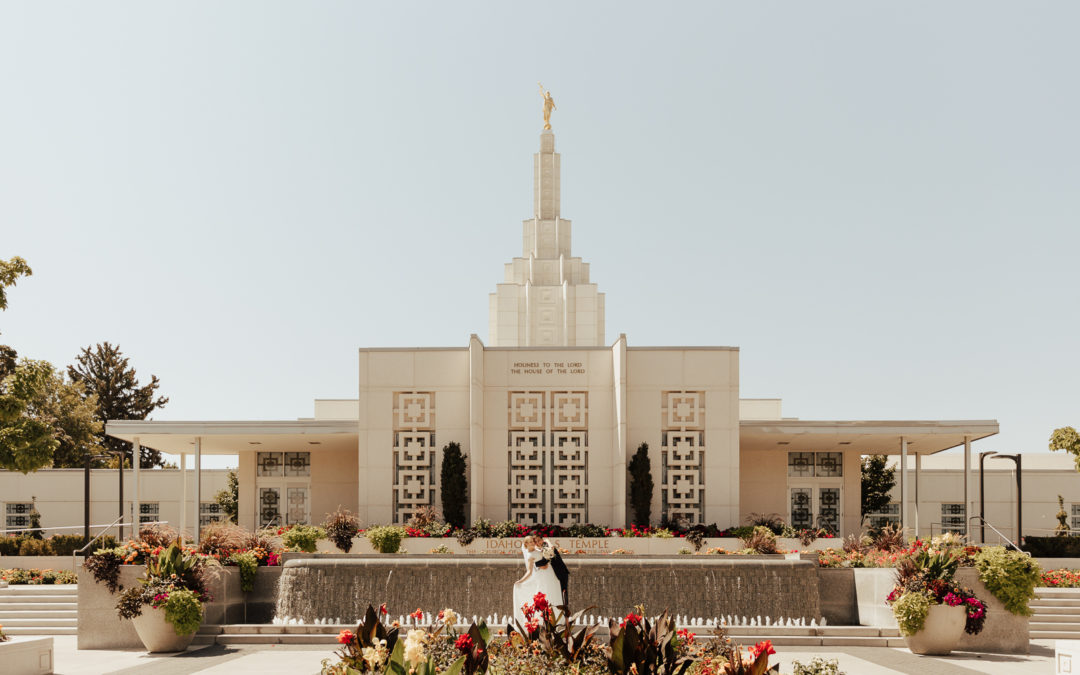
<point>559,568</point>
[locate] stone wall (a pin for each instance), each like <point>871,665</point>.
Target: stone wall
<point>836,588</point>
<point>341,588</point>
<point>1004,632</point>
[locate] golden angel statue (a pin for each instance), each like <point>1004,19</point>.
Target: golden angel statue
<point>549,105</point>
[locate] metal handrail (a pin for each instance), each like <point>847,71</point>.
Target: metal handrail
<point>101,534</point>
<point>999,533</point>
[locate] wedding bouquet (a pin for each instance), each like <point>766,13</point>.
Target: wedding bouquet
<point>547,553</point>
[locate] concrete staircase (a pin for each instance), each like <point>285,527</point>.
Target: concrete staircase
<point>1056,614</point>
<point>39,610</point>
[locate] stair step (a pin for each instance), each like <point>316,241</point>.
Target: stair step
<point>1053,602</point>
<point>40,630</point>
<point>1056,618</point>
<point>9,607</point>
<point>1057,593</point>
<point>1050,635</point>
<point>32,622</point>
<point>38,597</point>
<point>6,616</point>
<point>1049,625</point>
<point>1048,611</point>
<point>39,589</point>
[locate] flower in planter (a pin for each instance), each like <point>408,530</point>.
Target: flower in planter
<point>345,637</point>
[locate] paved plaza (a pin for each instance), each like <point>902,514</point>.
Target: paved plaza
<point>304,660</point>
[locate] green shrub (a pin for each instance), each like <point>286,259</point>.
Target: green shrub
<point>586,530</point>
<point>641,486</point>
<point>9,544</point>
<point>1053,547</point>
<point>386,538</point>
<point>31,546</point>
<point>66,544</point>
<point>910,610</point>
<point>184,611</point>
<point>504,529</point>
<point>303,537</point>
<point>1010,575</point>
<point>248,565</point>
<point>441,548</point>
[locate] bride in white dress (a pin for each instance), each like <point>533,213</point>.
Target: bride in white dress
<point>536,580</point>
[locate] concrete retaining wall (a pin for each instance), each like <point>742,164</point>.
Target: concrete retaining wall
<point>329,587</point>
<point>836,588</point>
<point>576,545</point>
<point>36,562</point>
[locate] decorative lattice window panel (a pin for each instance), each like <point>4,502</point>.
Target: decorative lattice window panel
<point>953,518</point>
<point>1075,508</point>
<point>682,457</point>
<point>149,512</point>
<point>17,514</point>
<point>270,506</point>
<point>414,453</point>
<point>548,457</point>
<point>210,512</point>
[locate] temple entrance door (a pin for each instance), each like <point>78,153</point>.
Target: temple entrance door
<point>815,504</point>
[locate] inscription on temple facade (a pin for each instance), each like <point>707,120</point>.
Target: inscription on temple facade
<point>547,368</point>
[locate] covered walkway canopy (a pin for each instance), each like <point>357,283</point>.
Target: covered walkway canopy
<point>872,437</point>
<point>228,438</point>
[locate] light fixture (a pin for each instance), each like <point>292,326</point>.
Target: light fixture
<point>783,442</point>
<point>314,442</point>
<point>254,443</point>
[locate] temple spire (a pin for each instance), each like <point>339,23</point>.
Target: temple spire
<point>546,298</point>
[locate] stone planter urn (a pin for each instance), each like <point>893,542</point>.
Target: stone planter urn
<point>942,631</point>
<point>157,634</point>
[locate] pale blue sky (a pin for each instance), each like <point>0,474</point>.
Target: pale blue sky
<point>878,202</point>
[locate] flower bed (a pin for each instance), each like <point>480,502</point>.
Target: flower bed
<point>36,576</point>
<point>1060,579</point>
<point>546,644</point>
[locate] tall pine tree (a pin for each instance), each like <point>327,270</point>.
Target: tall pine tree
<point>641,486</point>
<point>454,485</point>
<point>104,370</point>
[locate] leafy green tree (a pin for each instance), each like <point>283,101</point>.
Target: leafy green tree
<point>641,486</point>
<point>454,484</point>
<point>1067,439</point>
<point>26,428</point>
<point>41,415</point>
<point>229,498</point>
<point>878,479</point>
<point>106,373</point>
<point>10,272</point>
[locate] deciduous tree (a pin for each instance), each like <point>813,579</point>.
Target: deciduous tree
<point>40,415</point>
<point>106,373</point>
<point>1067,439</point>
<point>10,272</point>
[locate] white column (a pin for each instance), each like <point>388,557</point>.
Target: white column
<point>183,493</point>
<point>136,454</point>
<point>967,486</point>
<point>198,486</point>
<point>903,484</point>
<point>918,471</point>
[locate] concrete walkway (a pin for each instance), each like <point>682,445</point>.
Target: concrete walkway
<point>305,660</point>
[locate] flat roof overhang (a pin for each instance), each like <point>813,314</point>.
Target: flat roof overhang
<point>229,438</point>
<point>870,437</point>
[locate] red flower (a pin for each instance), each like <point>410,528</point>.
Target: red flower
<point>345,637</point>
<point>540,603</point>
<point>464,644</point>
<point>382,609</point>
<point>763,647</point>
<point>418,614</point>
<point>631,619</point>
<point>531,626</point>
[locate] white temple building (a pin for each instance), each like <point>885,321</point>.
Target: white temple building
<point>549,412</point>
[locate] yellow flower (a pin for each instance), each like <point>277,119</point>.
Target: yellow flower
<point>414,646</point>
